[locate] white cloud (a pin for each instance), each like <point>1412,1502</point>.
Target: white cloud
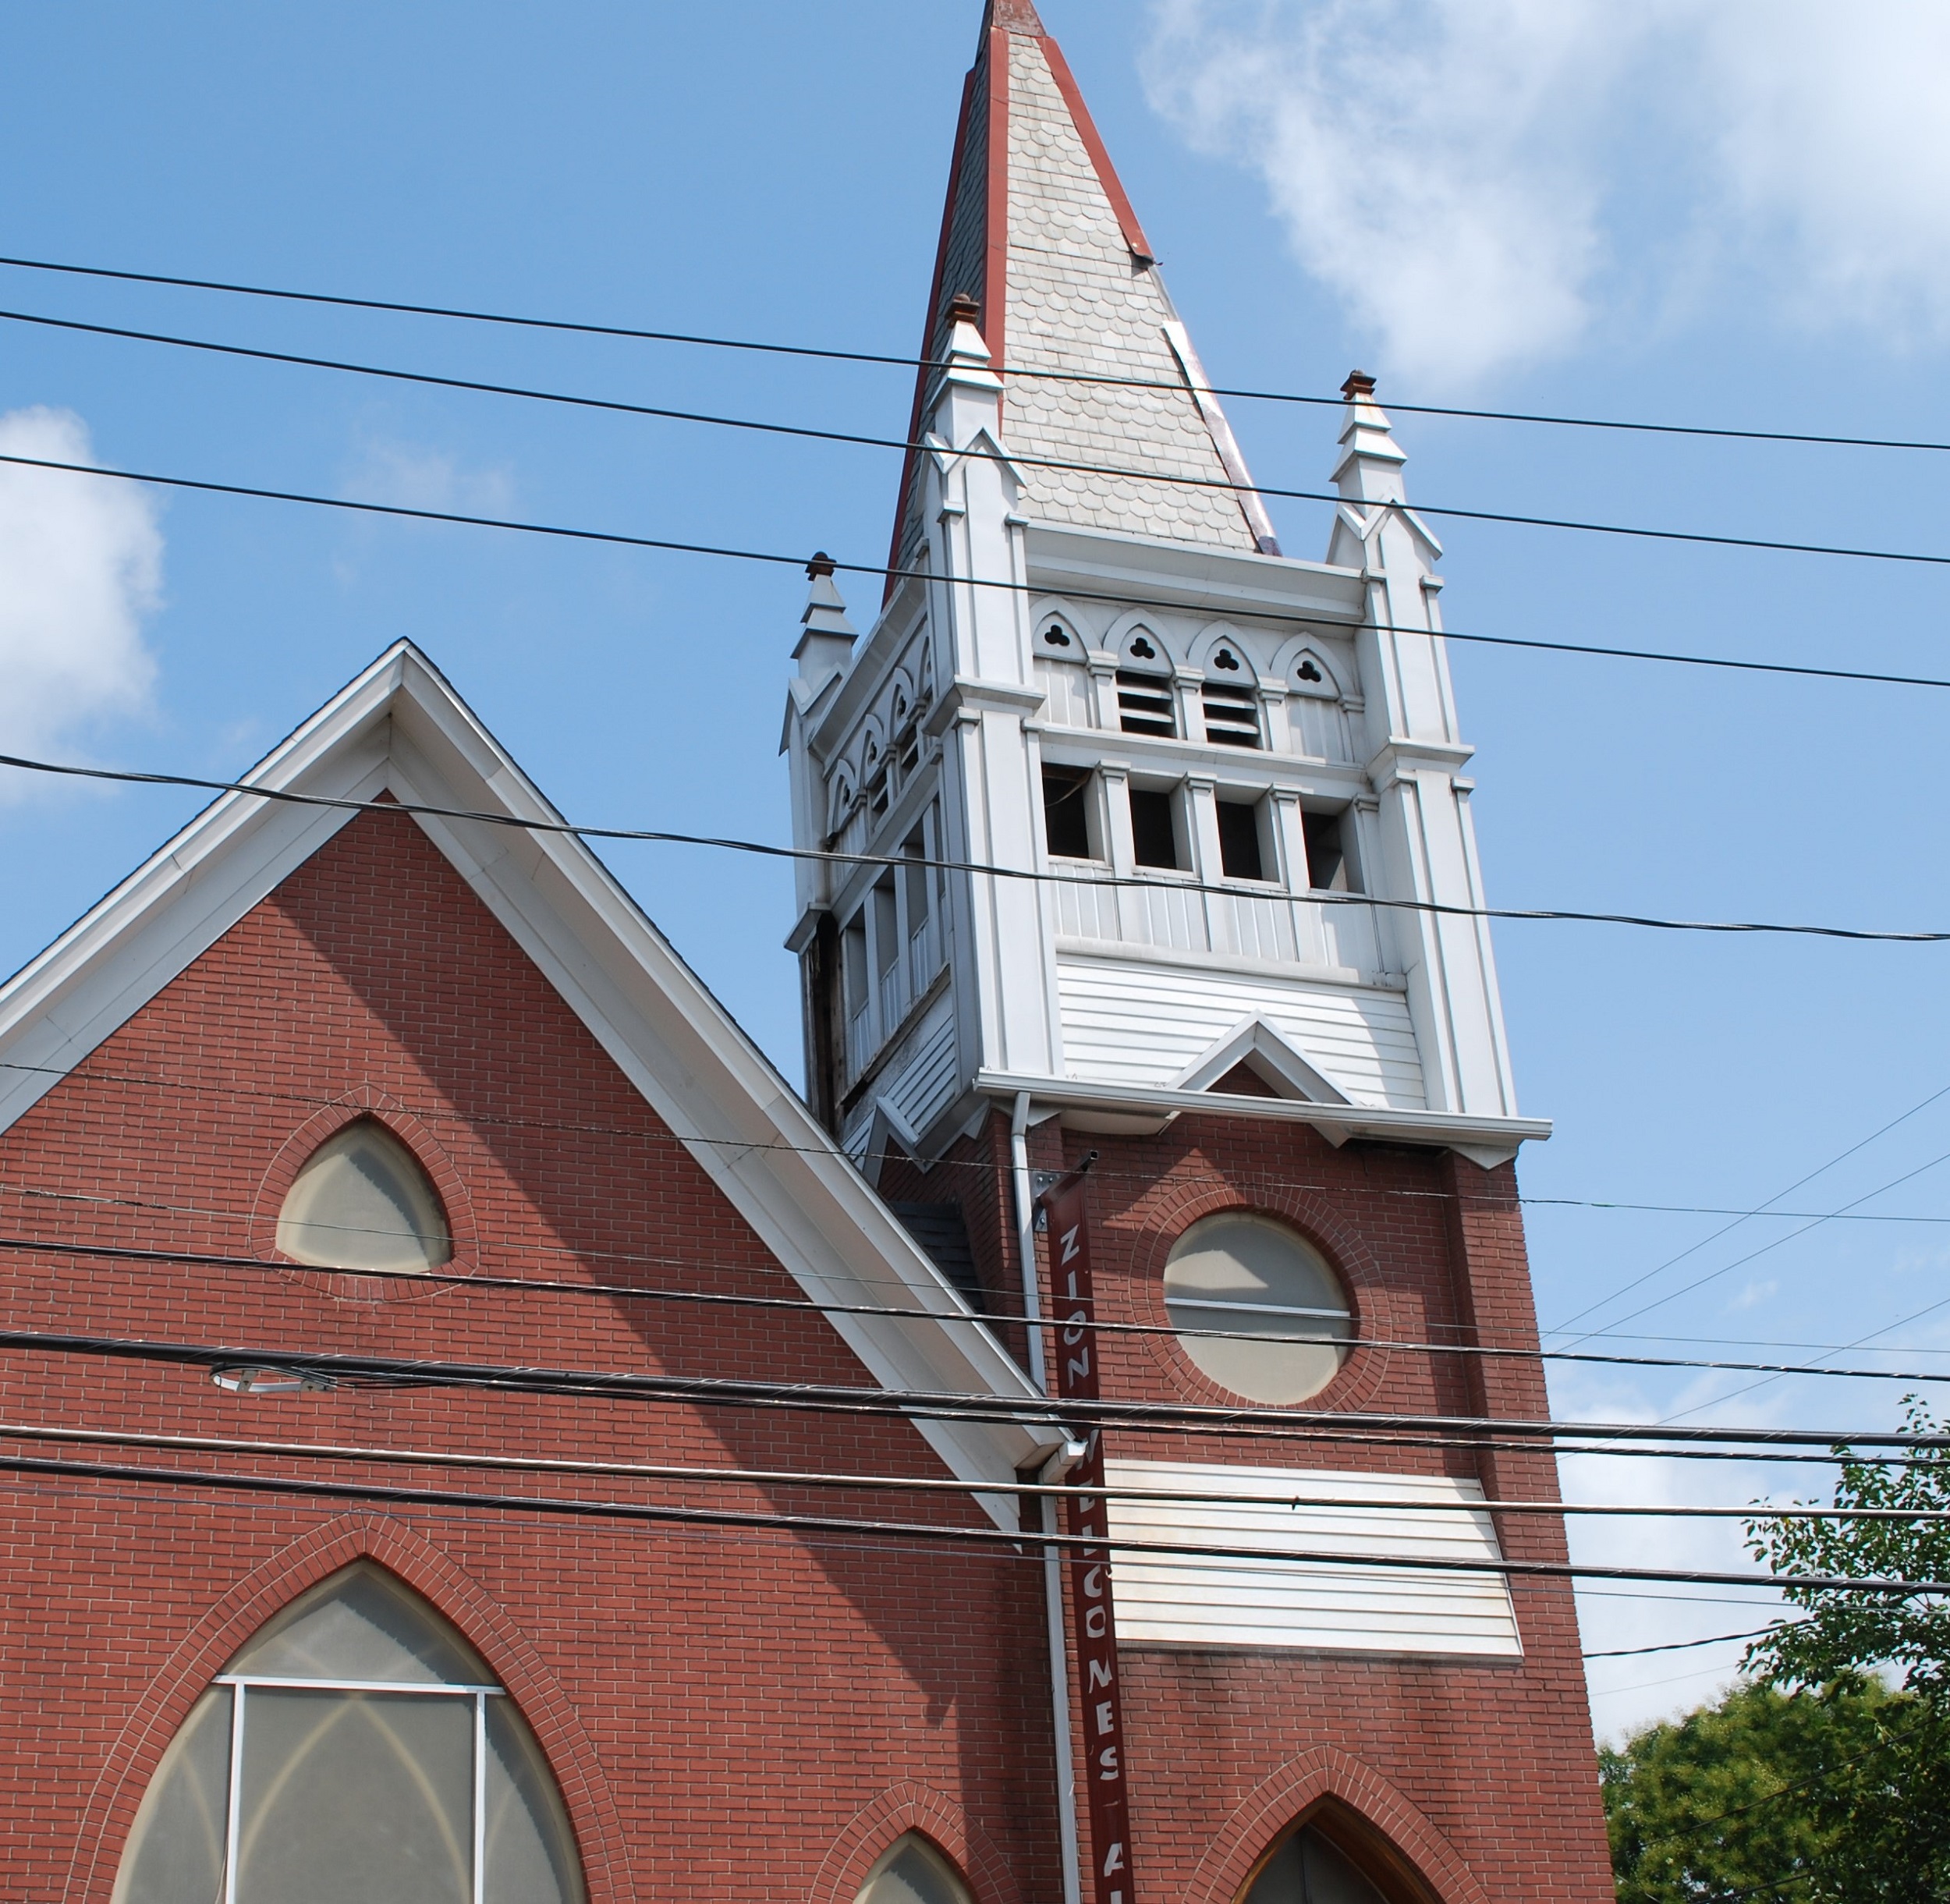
<point>80,567</point>
<point>1478,180</point>
<point>412,477</point>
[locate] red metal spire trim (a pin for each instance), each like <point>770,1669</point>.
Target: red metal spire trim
<point>1013,17</point>
<point>1141,245</point>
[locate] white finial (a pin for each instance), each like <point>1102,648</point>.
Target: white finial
<point>1369,469</point>
<point>826,641</point>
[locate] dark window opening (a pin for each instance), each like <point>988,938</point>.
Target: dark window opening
<point>1154,830</point>
<point>1144,704</point>
<point>1328,869</point>
<point>1232,714</point>
<point>877,796</point>
<point>1057,635</point>
<point>1066,812</point>
<point>1239,832</point>
<point>910,752</point>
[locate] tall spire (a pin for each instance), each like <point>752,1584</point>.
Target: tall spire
<point>1038,231</point>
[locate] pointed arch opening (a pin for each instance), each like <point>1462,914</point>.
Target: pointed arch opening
<point>357,1747</point>
<point>1331,1857</point>
<point>363,1200</point>
<point>913,1870</point>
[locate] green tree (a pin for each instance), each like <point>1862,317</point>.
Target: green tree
<point>1738,1799</point>
<point>1886,1816</point>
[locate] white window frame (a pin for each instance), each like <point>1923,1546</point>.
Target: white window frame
<point>240,1684</point>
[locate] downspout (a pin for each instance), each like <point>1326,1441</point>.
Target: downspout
<point>1053,1470</point>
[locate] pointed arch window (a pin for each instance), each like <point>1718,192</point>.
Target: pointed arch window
<point>362,1201</point>
<point>912,1871</point>
<point>1309,1868</point>
<point>357,1747</point>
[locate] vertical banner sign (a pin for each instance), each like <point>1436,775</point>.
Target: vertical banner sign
<point>1093,1625</point>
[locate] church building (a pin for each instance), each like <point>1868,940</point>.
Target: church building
<point>475,1433</point>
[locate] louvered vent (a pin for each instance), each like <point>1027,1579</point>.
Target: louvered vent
<point>1144,704</point>
<point>1232,714</point>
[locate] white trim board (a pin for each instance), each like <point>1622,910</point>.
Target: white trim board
<point>400,728</point>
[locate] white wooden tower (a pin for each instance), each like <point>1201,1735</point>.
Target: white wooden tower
<point>1104,678</point>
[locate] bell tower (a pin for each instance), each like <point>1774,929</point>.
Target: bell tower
<point>1234,775</point>
<point>1153,840</point>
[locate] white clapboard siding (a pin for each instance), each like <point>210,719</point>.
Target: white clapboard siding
<point>1342,1607</point>
<point>921,1080</point>
<point>1131,1023</point>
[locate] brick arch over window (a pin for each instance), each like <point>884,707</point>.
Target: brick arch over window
<point>428,1151</point>
<point>267,1590</point>
<point>1334,1787</point>
<point>1165,1215</point>
<point>911,1807</point>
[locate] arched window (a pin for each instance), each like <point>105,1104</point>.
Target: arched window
<point>1309,1868</point>
<point>357,1747</point>
<point>363,1202</point>
<point>1250,1276</point>
<point>912,1871</point>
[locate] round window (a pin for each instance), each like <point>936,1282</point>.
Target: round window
<point>1234,1280</point>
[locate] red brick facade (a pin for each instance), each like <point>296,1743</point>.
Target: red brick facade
<point>730,1713</point>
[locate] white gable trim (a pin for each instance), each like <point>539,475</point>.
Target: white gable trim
<point>1271,1058</point>
<point>400,728</point>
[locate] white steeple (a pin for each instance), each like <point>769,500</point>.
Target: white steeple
<point>1210,759</point>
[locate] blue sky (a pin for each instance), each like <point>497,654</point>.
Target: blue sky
<point>1723,213</point>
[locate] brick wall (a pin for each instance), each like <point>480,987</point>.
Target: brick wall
<point>731,1713</point>
<point>722,1706</point>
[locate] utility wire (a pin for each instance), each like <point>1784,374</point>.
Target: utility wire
<point>907,363</point>
<point>1022,588</point>
<point>907,1484</point>
<point>1024,1547</point>
<point>930,1404</point>
<point>1170,478</point>
<point>1678,1646</point>
<point>1840,1157</point>
<point>833,857</point>
<point>461,1282</point>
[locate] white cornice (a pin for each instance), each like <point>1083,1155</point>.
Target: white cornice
<point>1485,1140</point>
<point>1097,561</point>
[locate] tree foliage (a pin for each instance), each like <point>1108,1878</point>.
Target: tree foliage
<point>1891,1808</point>
<point>1757,1796</point>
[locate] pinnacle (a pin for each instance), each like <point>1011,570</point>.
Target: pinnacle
<point>1014,16</point>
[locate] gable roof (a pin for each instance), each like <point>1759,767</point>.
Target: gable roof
<point>1039,231</point>
<point>400,728</point>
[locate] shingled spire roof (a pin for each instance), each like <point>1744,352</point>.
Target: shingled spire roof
<point>1038,231</point>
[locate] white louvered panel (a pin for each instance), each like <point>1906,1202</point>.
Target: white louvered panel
<point>1320,728</point>
<point>1326,1605</point>
<point>1067,689</point>
<point>1131,1023</point>
<point>921,1080</point>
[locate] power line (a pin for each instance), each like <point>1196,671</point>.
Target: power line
<point>833,857</point>
<point>910,362</point>
<point>933,1404</point>
<point>1024,1547</point>
<point>1176,478</point>
<point>906,1483</point>
<point>1745,1216</point>
<point>1101,1171</point>
<point>463,1280</point>
<point>1678,1646</point>
<point>1071,594</point>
